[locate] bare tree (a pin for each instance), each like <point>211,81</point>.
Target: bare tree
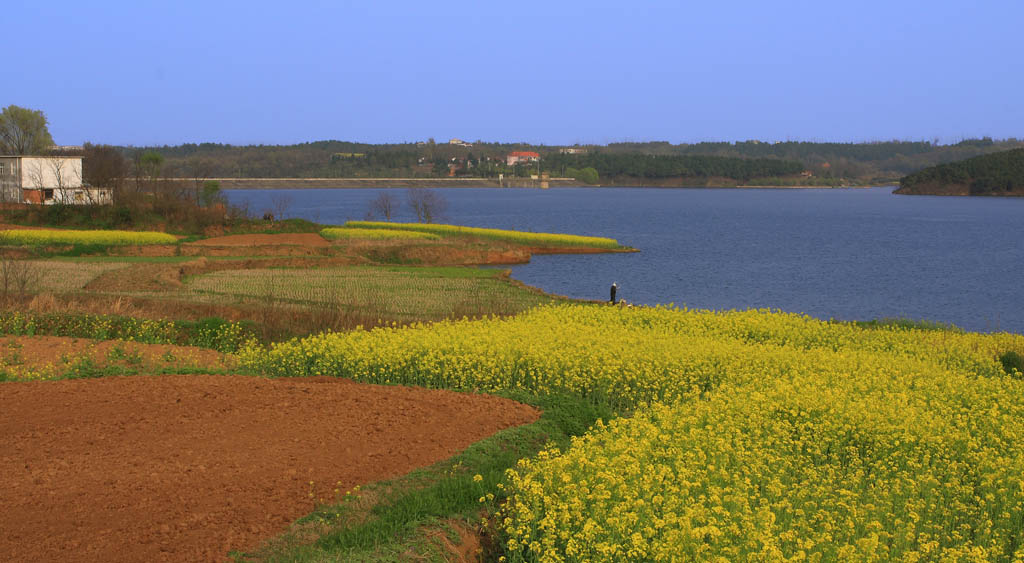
<point>199,169</point>
<point>103,166</point>
<point>60,173</point>
<point>384,205</point>
<point>279,204</point>
<point>426,204</point>
<point>17,277</point>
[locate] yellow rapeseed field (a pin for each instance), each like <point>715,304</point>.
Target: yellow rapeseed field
<point>752,435</point>
<point>61,236</point>
<point>537,239</point>
<point>335,233</point>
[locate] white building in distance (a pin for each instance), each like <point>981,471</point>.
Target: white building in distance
<point>48,180</point>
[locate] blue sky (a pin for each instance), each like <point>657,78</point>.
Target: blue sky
<point>544,72</point>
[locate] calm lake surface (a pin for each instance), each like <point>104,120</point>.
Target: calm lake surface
<point>852,254</point>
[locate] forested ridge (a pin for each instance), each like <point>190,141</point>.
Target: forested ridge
<point>638,165</point>
<point>992,174</point>
<point>801,161</point>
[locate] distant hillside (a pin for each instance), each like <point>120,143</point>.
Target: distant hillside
<point>648,163</point>
<point>992,174</point>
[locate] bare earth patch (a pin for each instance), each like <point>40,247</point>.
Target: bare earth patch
<point>187,468</point>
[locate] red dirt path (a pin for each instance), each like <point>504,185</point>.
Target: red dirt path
<point>187,468</point>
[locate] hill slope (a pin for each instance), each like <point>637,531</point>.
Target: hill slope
<point>992,174</point>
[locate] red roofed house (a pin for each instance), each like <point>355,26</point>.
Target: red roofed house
<point>515,157</point>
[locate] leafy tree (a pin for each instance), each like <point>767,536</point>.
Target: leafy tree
<point>23,131</point>
<point>151,164</point>
<point>210,195</point>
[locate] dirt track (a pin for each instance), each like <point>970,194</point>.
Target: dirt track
<point>187,468</point>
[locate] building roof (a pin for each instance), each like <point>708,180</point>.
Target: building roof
<point>524,153</point>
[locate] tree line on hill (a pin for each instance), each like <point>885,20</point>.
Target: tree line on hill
<point>640,165</point>
<point>992,174</point>
<point>24,131</point>
<point>829,162</point>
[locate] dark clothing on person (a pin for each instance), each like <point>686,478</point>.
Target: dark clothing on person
<point>614,287</point>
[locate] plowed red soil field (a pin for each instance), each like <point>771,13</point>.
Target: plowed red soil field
<point>188,468</point>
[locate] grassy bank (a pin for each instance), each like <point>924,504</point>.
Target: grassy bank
<point>405,517</point>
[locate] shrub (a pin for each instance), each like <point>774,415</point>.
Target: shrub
<point>1013,364</point>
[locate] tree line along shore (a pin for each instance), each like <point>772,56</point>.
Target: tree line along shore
<point>436,164</point>
<point>336,164</point>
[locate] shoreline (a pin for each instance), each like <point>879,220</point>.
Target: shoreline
<point>358,183</point>
<point>363,183</point>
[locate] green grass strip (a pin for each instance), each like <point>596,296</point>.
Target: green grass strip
<point>451,489</point>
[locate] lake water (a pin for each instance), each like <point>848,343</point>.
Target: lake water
<point>830,253</point>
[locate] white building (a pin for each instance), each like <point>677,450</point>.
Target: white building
<point>47,180</point>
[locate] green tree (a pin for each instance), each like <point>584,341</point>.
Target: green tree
<point>588,175</point>
<point>210,195</point>
<point>152,164</point>
<point>23,131</point>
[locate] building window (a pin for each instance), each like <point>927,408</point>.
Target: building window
<point>2,171</point>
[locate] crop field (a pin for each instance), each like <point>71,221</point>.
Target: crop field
<point>394,292</point>
<point>518,237</point>
<point>751,435</point>
<point>61,236</point>
<point>344,233</point>
<point>60,276</point>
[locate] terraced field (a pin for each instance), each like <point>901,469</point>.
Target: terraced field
<point>399,292</point>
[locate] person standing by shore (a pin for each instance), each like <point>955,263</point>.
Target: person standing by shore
<point>615,288</point>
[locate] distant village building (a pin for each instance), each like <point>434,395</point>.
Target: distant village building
<point>48,180</point>
<point>459,142</point>
<point>515,157</point>
<point>573,150</point>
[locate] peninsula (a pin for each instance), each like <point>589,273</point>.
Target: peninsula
<point>999,174</point>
